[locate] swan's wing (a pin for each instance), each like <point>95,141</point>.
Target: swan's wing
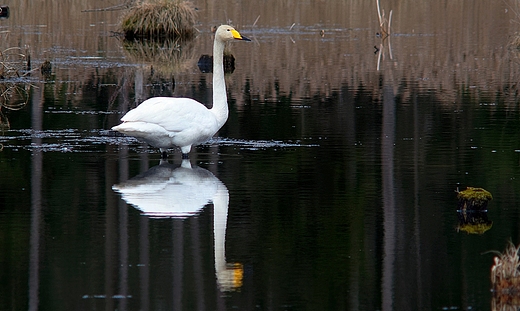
<point>172,114</point>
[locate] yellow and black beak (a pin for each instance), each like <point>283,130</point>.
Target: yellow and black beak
<point>238,36</point>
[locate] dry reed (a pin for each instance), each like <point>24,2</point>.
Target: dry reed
<point>505,279</point>
<point>384,24</point>
<point>14,64</point>
<point>514,42</point>
<point>160,19</point>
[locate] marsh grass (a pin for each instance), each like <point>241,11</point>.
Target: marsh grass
<point>160,19</point>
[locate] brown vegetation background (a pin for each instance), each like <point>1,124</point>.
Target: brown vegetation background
<point>442,45</point>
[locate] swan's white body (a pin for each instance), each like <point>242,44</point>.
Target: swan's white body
<point>165,122</point>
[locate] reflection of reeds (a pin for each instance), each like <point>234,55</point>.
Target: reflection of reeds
<point>160,19</point>
<point>4,123</point>
<point>13,96</point>
<point>167,56</point>
<point>505,279</point>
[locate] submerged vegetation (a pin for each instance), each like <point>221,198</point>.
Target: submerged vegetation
<point>157,19</point>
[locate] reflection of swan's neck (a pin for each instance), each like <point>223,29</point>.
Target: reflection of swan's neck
<point>220,106</point>
<point>220,203</point>
<point>229,277</point>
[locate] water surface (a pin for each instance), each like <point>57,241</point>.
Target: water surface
<point>331,186</point>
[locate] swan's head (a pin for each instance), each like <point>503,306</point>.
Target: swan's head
<point>228,33</point>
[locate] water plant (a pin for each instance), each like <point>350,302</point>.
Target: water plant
<point>160,19</point>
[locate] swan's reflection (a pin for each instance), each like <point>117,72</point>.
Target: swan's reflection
<point>166,190</point>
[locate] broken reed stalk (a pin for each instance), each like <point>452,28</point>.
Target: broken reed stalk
<point>384,24</point>
<point>160,19</point>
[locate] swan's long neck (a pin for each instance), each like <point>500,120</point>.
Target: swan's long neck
<point>220,106</point>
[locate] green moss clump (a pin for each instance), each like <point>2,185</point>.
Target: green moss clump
<point>473,199</point>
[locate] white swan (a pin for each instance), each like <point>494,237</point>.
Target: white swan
<point>165,122</point>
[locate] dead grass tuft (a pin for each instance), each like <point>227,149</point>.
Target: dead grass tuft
<point>505,279</point>
<point>160,19</point>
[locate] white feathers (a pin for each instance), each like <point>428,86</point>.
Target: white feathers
<point>165,122</point>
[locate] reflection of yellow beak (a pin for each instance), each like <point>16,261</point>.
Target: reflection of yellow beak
<point>237,35</point>
<point>238,274</point>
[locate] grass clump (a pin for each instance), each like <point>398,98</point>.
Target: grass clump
<point>160,19</point>
<point>505,273</point>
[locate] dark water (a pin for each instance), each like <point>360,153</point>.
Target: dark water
<point>331,186</point>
